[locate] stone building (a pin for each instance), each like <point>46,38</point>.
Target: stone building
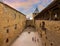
<point>50,13</point>
<point>35,13</point>
<point>12,23</point>
<point>49,18</point>
<point>30,22</point>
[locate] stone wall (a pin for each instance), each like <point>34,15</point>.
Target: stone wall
<point>12,24</point>
<point>50,36</point>
<point>29,23</point>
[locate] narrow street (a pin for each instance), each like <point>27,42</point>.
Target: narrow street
<point>28,38</point>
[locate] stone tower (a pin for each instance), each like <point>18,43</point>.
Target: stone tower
<point>35,12</point>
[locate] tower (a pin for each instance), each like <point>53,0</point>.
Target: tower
<point>35,12</point>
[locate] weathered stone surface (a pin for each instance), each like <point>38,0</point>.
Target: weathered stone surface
<point>12,20</point>
<point>52,33</point>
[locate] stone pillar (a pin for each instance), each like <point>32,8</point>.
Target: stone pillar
<point>50,13</point>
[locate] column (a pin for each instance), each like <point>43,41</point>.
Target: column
<point>50,13</point>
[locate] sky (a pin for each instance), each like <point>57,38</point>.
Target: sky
<point>27,7</point>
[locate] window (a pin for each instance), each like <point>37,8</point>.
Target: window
<point>7,40</point>
<point>46,37</point>
<point>55,15</point>
<point>14,16</point>
<point>51,44</point>
<point>35,13</point>
<point>15,26</point>
<point>7,30</point>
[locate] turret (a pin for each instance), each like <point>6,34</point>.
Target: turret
<point>35,12</point>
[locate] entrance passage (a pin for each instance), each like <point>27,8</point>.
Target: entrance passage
<point>28,38</point>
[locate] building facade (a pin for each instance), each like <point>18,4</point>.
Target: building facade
<point>47,22</point>
<point>12,23</point>
<point>50,13</point>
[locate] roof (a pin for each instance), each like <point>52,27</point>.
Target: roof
<point>12,8</point>
<point>36,10</point>
<point>51,5</point>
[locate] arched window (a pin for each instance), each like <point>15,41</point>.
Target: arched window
<point>56,15</point>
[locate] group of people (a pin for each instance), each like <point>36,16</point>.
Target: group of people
<point>34,39</point>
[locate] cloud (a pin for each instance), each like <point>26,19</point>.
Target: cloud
<point>21,3</point>
<point>27,6</point>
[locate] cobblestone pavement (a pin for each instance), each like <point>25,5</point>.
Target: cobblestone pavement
<point>28,38</point>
